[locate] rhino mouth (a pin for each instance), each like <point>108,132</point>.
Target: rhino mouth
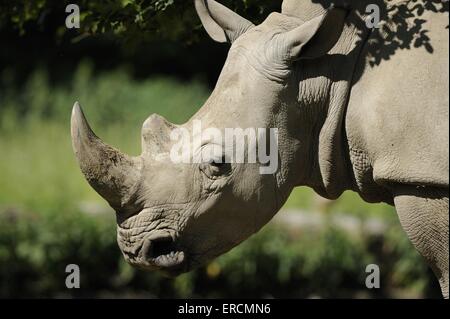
<point>156,251</point>
<point>163,253</point>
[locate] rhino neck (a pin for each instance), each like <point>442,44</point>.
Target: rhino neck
<point>324,88</point>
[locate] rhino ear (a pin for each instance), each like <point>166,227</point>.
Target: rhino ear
<point>222,24</point>
<point>317,36</point>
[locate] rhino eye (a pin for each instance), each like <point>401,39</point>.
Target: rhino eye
<point>216,168</point>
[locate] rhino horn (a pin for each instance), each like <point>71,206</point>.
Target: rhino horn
<point>111,173</point>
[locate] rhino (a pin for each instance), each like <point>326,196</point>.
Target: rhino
<point>350,113</point>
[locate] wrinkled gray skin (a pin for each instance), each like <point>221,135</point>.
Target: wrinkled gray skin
<point>381,131</point>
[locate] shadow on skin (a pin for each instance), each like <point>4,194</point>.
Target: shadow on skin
<point>401,32</point>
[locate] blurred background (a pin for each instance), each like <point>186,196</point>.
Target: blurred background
<point>130,59</point>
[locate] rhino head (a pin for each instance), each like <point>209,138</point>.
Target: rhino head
<point>173,216</point>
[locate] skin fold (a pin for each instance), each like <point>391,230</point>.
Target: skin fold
<point>350,114</point>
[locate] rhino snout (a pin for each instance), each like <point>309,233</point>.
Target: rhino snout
<point>156,251</point>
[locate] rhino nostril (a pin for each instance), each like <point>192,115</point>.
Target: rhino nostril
<point>162,253</point>
<point>160,247</point>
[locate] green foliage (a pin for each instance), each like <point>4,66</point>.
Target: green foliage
<point>35,250</point>
<point>114,96</point>
<point>133,20</point>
